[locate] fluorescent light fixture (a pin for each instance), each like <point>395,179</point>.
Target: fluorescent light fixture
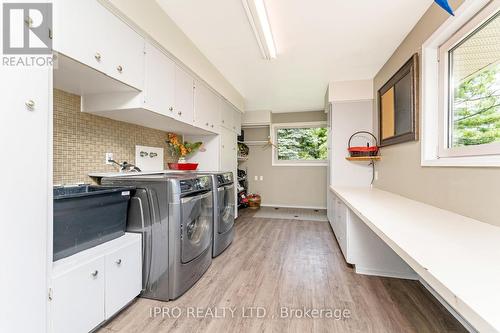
<point>259,21</point>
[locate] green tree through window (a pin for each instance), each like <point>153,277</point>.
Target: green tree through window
<point>476,109</point>
<point>308,144</point>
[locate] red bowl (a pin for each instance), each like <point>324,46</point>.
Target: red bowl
<point>183,166</point>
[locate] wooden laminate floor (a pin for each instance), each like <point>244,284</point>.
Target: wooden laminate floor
<point>278,267</point>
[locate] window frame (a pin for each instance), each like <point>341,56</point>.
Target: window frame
<point>299,163</point>
<point>445,91</point>
<point>431,105</point>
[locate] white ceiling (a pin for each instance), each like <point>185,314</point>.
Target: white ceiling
<point>318,41</point>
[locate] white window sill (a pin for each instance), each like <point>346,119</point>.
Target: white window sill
<point>300,164</point>
<point>492,161</point>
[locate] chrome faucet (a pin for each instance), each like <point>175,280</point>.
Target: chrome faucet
<point>125,166</point>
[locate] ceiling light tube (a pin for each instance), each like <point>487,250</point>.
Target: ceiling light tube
<point>259,21</point>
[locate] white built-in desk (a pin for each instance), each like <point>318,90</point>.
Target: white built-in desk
<point>458,257</point>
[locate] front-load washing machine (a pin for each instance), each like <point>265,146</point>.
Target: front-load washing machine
<point>224,210</point>
<point>174,214</point>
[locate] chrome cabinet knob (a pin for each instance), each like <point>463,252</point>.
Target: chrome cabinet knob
<point>119,262</point>
<point>29,22</point>
<point>95,273</point>
<point>179,113</point>
<point>97,56</point>
<point>206,124</point>
<point>212,125</point>
<point>30,105</point>
<point>119,69</point>
<point>171,109</point>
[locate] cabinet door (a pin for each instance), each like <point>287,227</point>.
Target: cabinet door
<point>125,50</point>
<point>159,85</point>
<point>26,118</point>
<point>228,150</point>
<point>227,117</point>
<point>237,121</point>
<point>92,35</point>
<point>78,298</point>
<point>123,277</point>
<point>79,32</point>
<point>184,96</point>
<point>206,109</point>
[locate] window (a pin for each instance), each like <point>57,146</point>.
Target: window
<point>461,62</point>
<point>471,79</point>
<point>300,144</point>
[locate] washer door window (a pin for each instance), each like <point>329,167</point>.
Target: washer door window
<point>196,233</point>
<point>226,208</point>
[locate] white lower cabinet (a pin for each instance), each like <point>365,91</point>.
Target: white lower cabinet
<point>123,280</point>
<point>91,286</point>
<point>77,298</point>
<point>340,225</point>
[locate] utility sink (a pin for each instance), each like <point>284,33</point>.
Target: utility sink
<point>86,216</point>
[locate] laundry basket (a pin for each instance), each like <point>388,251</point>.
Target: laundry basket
<point>254,201</point>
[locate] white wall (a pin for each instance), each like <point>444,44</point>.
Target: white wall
<point>473,192</point>
<point>150,17</point>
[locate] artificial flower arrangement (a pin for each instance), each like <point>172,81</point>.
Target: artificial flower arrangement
<point>180,150</point>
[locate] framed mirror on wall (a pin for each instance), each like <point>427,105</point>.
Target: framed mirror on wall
<point>398,106</point>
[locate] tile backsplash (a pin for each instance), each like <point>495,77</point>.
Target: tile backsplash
<point>81,141</point>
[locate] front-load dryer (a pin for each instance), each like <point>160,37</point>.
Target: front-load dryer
<point>224,210</point>
<point>174,214</point>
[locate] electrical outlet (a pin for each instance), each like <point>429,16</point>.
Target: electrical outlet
<point>376,175</point>
<point>261,178</point>
<point>256,178</point>
<point>109,156</point>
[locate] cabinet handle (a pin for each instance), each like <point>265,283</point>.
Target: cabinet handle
<point>212,125</point>
<point>30,105</point>
<point>119,69</point>
<point>97,56</point>
<point>29,21</point>
<point>94,273</point>
<point>179,113</point>
<point>206,124</point>
<point>119,262</point>
<point>223,121</point>
<point>171,109</point>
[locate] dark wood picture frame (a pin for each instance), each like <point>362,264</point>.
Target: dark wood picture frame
<point>407,110</point>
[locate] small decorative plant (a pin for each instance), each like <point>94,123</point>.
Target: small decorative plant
<point>179,149</point>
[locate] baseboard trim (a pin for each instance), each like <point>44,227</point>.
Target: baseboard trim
<point>448,307</point>
<point>375,272</point>
<point>292,206</point>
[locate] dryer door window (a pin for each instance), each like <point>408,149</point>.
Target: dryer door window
<point>196,233</point>
<point>226,208</point>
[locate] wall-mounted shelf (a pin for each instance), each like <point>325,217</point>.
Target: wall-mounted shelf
<point>364,158</point>
<point>255,143</point>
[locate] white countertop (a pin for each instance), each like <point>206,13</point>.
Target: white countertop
<point>121,174</point>
<point>457,256</point>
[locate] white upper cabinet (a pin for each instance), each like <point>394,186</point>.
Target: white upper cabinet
<point>207,106</point>
<point>125,47</point>
<point>78,31</point>
<point>184,96</point>
<point>227,117</point>
<point>237,121</point>
<point>230,118</point>
<point>159,91</point>
<point>87,32</point>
